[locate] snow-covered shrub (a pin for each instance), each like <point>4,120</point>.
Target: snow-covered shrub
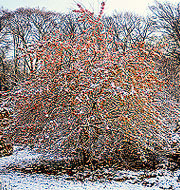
<point>87,96</point>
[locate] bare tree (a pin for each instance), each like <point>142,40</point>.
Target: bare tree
<point>167,21</point>
<point>27,27</point>
<point>128,29</point>
<point>5,43</point>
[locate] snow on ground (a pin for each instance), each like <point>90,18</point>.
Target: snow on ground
<point>17,181</point>
<point>41,182</point>
<point>13,180</point>
<point>21,155</point>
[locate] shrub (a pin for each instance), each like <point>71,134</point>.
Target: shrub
<point>87,96</point>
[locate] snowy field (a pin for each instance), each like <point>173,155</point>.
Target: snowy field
<point>14,180</point>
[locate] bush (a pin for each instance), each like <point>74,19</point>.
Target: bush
<point>87,96</point>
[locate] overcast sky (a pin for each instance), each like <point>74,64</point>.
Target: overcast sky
<point>137,6</point>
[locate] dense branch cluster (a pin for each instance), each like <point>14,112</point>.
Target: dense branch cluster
<point>90,82</point>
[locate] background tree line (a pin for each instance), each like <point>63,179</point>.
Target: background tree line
<point>22,29</point>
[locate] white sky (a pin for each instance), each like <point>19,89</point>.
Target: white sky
<point>137,6</point>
